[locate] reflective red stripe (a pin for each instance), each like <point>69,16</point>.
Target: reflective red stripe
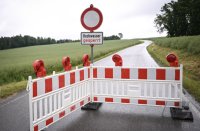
<point>34,89</point>
<point>81,103</point>
<point>177,103</point>
<point>124,100</point>
<point>81,75</point>
<point>95,73</point>
<point>142,73</point>
<point>88,72</point>
<point>95,99</point>
<point>72,108</point>
<point>108,99</point>
<point>177,74</point>
<point>48,85</point>
<point>142,101</point>
<point>61,114</point>
<point>125,73</point>
<point>108,72</point>
<point>49,121</point>
<point>36,128</point>
<point>61,81</point>
<point>72,77</point>
<point>160,74</point>
<point>160,103</point>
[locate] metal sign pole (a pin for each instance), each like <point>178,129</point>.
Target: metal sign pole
<point>92,57</point>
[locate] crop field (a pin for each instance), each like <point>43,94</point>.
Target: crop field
<point>16,64</point>
<point>190,44</point>
<point>187,49</point>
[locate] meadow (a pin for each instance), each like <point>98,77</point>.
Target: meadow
<point>190,44</point>
<point>16,64</point>
<point>188,51</point>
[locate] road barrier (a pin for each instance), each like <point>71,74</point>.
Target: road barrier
<point>141,86</point>
<point>53,97</point>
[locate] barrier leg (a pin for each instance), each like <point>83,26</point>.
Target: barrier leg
<point>183,113</point>
<point>91,106</point>
<point>164,109</point>
<point>45,129</point>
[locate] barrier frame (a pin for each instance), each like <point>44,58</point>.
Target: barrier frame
<point>92,97</point>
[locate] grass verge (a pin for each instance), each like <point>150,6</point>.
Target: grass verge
<point>191,66</point>
<point>12,88</point>
<point>190,44</point>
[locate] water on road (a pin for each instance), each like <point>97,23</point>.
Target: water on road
<point>135,56</point>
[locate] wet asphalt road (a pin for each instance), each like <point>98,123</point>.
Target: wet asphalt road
<point>14,115</point>
<point>136,56</point>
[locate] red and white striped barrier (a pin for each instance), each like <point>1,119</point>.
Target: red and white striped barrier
<point>52,83</point>
<point>137,101</point>
<point>137,73</point>
<point>60,114</point>
<point>53,97</point>
<point>141,86</point>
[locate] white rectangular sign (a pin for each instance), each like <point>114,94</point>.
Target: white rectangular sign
<point>91,38</point>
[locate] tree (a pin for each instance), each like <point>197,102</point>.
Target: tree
<point>22,41</point>
<point>195,17</point>
<point>166,21</point>
<point>179,18</point>
<point>120,35</point>
<point>113,37</point>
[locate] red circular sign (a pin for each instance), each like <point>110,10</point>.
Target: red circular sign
<point>91,18</point>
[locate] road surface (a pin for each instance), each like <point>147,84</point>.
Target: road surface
<point>14,114</point>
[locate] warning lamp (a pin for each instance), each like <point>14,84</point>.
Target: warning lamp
<point>117,59</point>
<point>38,66</point>
<point>172,59</point>
<point>85,60</point>
<point>66,63</point>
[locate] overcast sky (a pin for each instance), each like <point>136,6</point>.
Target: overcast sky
<point>60,19</point>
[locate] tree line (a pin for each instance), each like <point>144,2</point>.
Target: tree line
<point>113,37</point>
<point>23,41</point>
<point>181,18</point>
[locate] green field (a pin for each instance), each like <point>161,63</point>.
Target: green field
<point>16,64</point>
<point>190,44</point>
<point>187,49</point>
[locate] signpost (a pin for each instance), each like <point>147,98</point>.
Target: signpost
<point>91,19</point>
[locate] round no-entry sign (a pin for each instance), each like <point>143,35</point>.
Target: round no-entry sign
<point>91,18</point>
